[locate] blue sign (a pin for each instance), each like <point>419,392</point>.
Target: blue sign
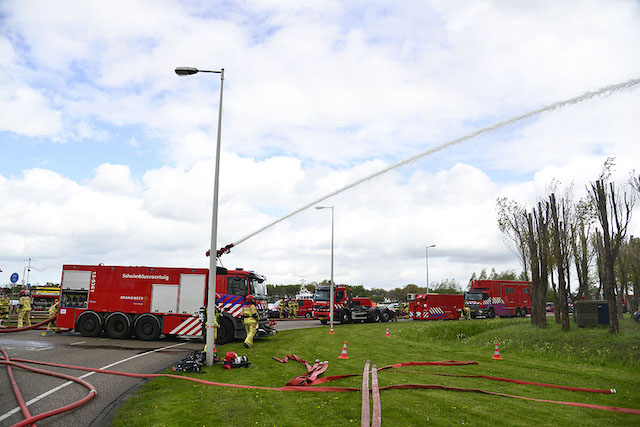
<point>14,277</point>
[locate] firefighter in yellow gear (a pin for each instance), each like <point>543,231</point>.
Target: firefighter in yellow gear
<point>24,310</point>
<point>467,313</point>
<point>293,309</point>
<point>5,304</point>
<point>282,307</point>
<point>250,320</point>
<point>53,310</point>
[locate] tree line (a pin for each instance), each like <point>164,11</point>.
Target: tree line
<point>590,235</point>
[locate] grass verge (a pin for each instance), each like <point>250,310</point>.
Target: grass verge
<point>590,358</point>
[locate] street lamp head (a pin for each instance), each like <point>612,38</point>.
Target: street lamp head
<point>431,246</point>
<point>319,207</point>
<point>186,71</point>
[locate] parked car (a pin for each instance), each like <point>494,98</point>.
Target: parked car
<point>550,307</point>
<point>274,309</point>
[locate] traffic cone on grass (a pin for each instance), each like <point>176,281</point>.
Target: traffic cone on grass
<point>387,333</point>
<point>496,353</point>
<point>331,330</point>
<point>343,355</point>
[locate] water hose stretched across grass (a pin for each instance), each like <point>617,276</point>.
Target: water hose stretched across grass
<point>309,386</point>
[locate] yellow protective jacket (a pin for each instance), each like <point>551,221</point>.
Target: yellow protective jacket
<point>53,310</point>
<point>249,314</point>
<point>5,302</point>
<point>24,304</point>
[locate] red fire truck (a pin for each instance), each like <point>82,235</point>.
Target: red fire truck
<point>346,307</point>
<point>149,301</point>
<point>437,306</point>
<point>490,298</point>
<point>44,296</point>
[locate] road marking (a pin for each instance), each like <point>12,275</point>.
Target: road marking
<point>43,348</point>
<point>76,343</point>
<point>53,390</point>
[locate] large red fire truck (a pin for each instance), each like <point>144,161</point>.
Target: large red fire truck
<point>436,306</point>
<point>150,301</point>
<point>346,307</point>
<point>490,298</point>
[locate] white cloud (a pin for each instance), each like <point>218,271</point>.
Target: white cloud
<point>317,94</point>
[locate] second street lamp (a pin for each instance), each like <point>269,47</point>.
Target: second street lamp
<point>427,258</point>
<point>331,294</point>
<point>213,258</point>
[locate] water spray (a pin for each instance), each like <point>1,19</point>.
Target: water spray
<point>605,91</point>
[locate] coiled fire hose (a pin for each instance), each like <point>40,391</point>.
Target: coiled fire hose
<point>308,385</point>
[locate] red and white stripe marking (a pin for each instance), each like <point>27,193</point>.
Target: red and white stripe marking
<point>190,326</point>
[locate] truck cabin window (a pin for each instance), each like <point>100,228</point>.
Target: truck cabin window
<point>237,286</point>
<point>473,296</point>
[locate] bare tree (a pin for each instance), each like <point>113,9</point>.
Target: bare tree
<point>614,213</point>
<point>582,252</point>
<point>634,247</point>
<point>512,222</point>
<point>560,218</point>
<point>538,247</point>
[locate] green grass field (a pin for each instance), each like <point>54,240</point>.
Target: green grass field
<point>589,358</point>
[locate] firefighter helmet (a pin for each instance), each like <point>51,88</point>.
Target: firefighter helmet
<point>250,298</point>
<point>22,293</point>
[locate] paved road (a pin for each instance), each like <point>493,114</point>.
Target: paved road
<point>71,348</point>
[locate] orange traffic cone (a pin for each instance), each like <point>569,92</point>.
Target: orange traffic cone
<point>343,355</point>
<point>331,330</point>
<point>387,333</point>
<point>496,353</point>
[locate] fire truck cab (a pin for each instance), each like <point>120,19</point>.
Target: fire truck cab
<point>150,301</point>
<point>490,298</point>
<point>346,307</point>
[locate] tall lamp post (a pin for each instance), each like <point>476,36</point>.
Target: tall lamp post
<point>426,251</point>
<point>331,295</point>
<point>213,258</point>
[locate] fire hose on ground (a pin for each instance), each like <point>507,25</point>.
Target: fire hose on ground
<point>308,382</point>
<point>6,329</point>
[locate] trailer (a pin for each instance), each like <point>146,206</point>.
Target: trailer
<point>150,301</point>
<point>436,306</point>
<point>490,298</point>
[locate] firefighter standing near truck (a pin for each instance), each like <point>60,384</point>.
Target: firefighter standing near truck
<point>250,319</point>
<point>293,309</point>
<point>24,309</point>
<point>53,311</point>
<point>5,303</point>
<point>281,306</point>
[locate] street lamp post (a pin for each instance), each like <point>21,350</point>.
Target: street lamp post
<point>426,251</point>
<point>332,286</point>
<point>213,258</point>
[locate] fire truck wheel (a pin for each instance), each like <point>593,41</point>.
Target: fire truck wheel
<point>517,311</point>
<point>524,311</point>
<point>147,327</point>
<point>492,313</point>
<point>345,316</point>
<point>225,331</point>
<point>386,316</point>
<point>324,321</point>
<point>375,317</point>
<point>307,315</point>
<point>89,324</point>
<point>117,326</point>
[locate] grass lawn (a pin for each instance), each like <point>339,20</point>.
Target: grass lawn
<point>589,358</point>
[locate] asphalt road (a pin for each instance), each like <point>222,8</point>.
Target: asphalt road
<point>71,348</point>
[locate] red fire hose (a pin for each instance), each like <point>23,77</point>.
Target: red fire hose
<point>29,419</point>
<point>313,371</point>
<point>4,329</point>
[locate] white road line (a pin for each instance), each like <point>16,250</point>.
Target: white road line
<point>76,343</point>
<point>53,390</point>
<point>43,348</point>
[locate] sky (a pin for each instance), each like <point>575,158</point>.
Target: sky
<point>107,156</point>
